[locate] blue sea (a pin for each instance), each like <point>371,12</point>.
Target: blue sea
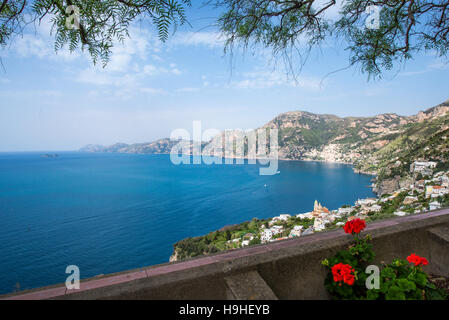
<point>112,212</point>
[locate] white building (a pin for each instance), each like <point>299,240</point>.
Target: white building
<point>276,229</point>
<point>385,199</point>
<point>307,215</point>
<point>375,208</point>
<point>423,167</point>
<point>442,191</point>
<point>436,191</point>
<point>444,181</point>
<point>273,221</point>
<point>345,210</point>
<point>284,217</point>
<point>319,224</point>
<point>434,205</point>
<point>296,231</point>
<point>366,202</point>
<point>245,243</point>
<point>438,174</point>
<point>410,200</point>
<point>266,236</point>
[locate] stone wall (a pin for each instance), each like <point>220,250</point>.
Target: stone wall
<point>289,269</point>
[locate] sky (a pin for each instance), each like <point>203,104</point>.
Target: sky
<point>61,101</point>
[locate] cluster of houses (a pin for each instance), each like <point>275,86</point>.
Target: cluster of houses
<point>431,187</point>
<point>320,214</point>
<point>268,234</point>
<point>434,185</point>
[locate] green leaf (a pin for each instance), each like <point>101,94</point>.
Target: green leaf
<point>406,285</point>
<point>395,293</point>
<point>388,273</point>
<point>372,294</point>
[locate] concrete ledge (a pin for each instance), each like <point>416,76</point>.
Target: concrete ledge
<point>248,286</point>
<point>439,249</point>
<point>291,268</point>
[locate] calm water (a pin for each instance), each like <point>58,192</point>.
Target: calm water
<point>112,212</point>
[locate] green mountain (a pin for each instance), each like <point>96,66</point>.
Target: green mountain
<point>160,146</point>
<point>384,145</point>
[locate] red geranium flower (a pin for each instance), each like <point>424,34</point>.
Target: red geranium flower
<point>343,273</point>
<point>354,226</point>
<point>417,260</point>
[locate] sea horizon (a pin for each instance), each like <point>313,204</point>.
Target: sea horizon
<point>110,212</point>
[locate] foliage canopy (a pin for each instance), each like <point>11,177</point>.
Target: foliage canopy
<point>90,24</point>
<point>403,27</point>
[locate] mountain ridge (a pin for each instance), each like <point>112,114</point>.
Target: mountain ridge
<point>383,145</point>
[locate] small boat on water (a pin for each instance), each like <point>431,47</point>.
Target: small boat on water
<point>49,155</point>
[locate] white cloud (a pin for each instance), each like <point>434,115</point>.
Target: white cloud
<point>265,80</point>
<point>412,73</point>
<point>374,91</point>
<point>176,71</point>
<point>209,39</point>
<point>157,58</point>
<point>119,62</point>
<point>51,93</point>
<point>28,45</point>
<point>151,70</point>
<point>439,64</point>
<point>126,70</point>
<point>37,41</point>
<point>92,76</point>
<point>188,89</point>
<point>153,91</point>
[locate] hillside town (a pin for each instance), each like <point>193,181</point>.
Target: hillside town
<point>429,191</point>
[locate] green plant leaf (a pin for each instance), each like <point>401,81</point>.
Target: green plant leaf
<point>395,293</point>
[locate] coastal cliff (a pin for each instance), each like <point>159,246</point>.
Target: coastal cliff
<point>408,157</point>
<point>383,146</point>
